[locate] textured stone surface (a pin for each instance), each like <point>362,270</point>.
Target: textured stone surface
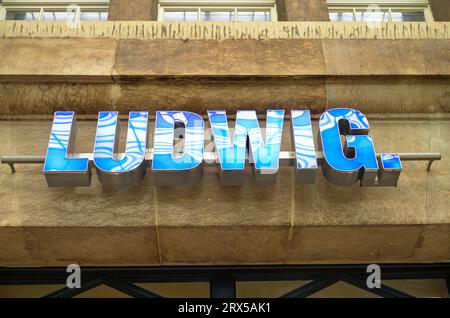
<point>335,244</point>
<point>14,251</point>
<point>220,31</point>
<point>396,57</point>
<point>200,96</point>
<point>377,76</point>
<point>440,9</point>
<point>155,66</point>
<point>89,246</point>
<point>390,94</point>
<point>56,59</point>
<point>228,58</point>
<point>46,98</point>
<point>302,10</point>
<point>223,245</point>
<point>133,10</point>
<point>325,204</point>
<point>211,224</point>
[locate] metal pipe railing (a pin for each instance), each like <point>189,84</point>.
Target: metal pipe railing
<point>287,158</point>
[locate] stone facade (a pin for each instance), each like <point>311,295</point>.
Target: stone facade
<point>440,9</point>
<point>302,10</point>
<point>133,10</point>
<point>388,74</point>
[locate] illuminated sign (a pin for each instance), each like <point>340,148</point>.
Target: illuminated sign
<point>347,149</point>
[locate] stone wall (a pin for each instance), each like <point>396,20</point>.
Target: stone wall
<point>133,10</point>
<point>389,74</point>
<point>440,9</point>
<point>302,10</point>
<point>399,75</point>
<point>211,224</point>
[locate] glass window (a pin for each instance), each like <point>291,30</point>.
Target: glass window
<point>254,16</point>
<point>220,11</point>
<point>218,16</point>
<point>52,10</point>
<point>180,16</point>
<point>382,15</point>
<point>408,16</point>
<point>341,16</point>
<point>93,16</point>
<point>21,15</point>
<point>372,16</point>
<point>58,16</point>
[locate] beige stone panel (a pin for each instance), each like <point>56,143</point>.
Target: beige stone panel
<point>27,196</point>
<point>220,31</point>
<point>438,194</point>
<point>433,244</point>
<point>200,95</point>
<point>93,206</point>
<point>133,10</point>
<point>223,245</point>
<point>9,215</point>
<point>326,204</point>
<point>386,57</point>
<point>8,198</point>
<point>53,59</point>
<point>13,251</point>
<point>137,58</point>
<point>92,246</point>
<point>302,10</point>
<point>46,98</point>
<point>440,9</point>
<point>390,94</point>
<point>352,244</point>
<point>5,140</point>
<point>210,204</point>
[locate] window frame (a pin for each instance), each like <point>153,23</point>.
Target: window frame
<point>52,6</point>
<point>335,6</point>
<point>200,6</point>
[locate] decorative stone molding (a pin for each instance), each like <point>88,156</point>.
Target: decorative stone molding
<point>226,30</point>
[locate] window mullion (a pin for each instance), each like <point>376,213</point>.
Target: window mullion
<point>41,14</point>
<point>2,13</point>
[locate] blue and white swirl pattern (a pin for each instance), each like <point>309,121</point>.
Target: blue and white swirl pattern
<point>365,156</point>
<point>232,154</point>
<point>163,158</point>
<point>304,140</point>
<point>106,141</point>
<point>60,140</point>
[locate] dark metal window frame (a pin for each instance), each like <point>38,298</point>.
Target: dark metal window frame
<point>223,280</point>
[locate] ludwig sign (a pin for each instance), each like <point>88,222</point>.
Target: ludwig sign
<point>348,151</point>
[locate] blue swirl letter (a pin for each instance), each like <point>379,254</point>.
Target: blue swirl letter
<point>59,170</point>
<point>305,151</point>
<point>264,156</point>
<point>171,170</point>
<point>127,171</point>
<point>356,159</point>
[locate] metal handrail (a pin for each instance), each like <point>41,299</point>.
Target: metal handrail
<point>287,158</point>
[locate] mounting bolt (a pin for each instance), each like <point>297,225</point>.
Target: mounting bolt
<point>11,165</point>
